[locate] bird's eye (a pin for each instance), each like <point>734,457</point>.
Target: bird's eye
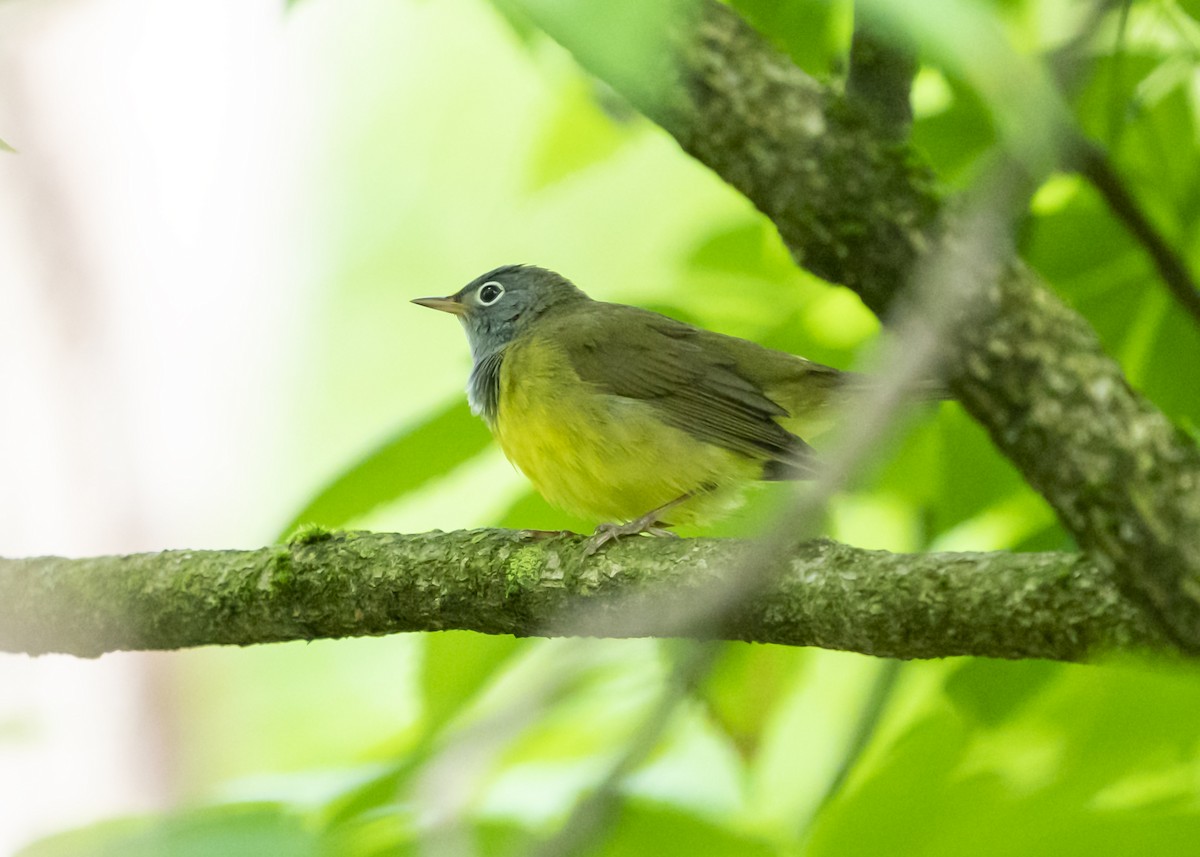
<point>489,293</point>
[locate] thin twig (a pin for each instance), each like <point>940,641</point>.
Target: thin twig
<point>592,814</point>
<point>1094,165</point>
<point>1067,66</point>
<point>869,718</point>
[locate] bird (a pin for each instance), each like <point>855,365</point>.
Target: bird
<point>629,417</point>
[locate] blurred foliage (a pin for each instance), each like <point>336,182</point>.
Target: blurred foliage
<point>400,466</point>
<point>487,144</point>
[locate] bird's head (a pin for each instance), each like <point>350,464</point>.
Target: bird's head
<point>498,306</point>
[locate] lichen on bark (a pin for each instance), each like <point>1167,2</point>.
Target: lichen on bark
<point>506,582</point>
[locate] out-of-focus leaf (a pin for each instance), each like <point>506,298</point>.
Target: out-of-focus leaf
<point>1068,760</point>
<point>913,470</point>
<point>518,21</point>
<point>1072,244</point>
<point>749,248</point>
<point>379,791</point>
<point>814,34</point>
<point>504,840</point>
<point>740,280</point>
<point>990,691</point>
<point>974,477</point>
<point>597,696</point>
<point>403,464</point>
<point>1011,523</point>
<point>1165,377</point>
<point>387,833</point>
<point>234,830</point>
<point>4,147</point>
<point>884,814</point>
<point>531,512</point>
<point>457,666</point>
<point>1190,7</point>
<point>578,135</point>
<point>642,828</point>
<point>954,138</point>
<point>744,686</point>
<point>621,41</point>
<point>1157,154</point>
<point>1115,722</point>
<point>1107,102</point>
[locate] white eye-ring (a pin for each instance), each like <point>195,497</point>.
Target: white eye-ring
<point>489,293</point>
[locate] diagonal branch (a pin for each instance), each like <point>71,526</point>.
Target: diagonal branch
<point>881,73</point>
<point>861,210</point>
<point>1047,605</point>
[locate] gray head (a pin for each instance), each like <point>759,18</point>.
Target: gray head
<point>497,306</point>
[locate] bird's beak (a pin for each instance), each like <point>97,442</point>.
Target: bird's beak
<point>448,304</point>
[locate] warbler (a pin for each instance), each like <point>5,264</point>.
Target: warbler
<point>627,416</point>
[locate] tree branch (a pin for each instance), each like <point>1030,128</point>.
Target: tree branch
<point>880,78</point>
<point>858,209</point>
<point>1047,605</point>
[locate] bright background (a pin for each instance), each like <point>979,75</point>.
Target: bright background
<point>208,239</point>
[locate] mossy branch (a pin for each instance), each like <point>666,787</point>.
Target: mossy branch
<point>861,209</point>
<point>1003,605</point>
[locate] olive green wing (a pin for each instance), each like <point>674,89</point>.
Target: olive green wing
<point>698,381</point>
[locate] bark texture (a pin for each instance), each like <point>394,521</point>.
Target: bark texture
<point>1050,605</point>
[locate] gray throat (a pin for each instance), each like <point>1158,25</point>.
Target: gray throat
<point>483,387</point>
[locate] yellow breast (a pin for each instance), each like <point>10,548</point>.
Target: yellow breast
<point>602,456</point>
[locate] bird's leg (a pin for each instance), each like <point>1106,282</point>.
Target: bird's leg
<point>649,523</point>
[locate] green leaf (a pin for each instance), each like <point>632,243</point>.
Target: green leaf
<point>531,512</point>
<point>385,833</point>
<point>458,665</point>
<point>814,34</point>
<point>524,29</point>
<point>639,829</point>
<point>747,248</point>
<point>1166,381</point>
<point>4,147</point>
<point>974,477</point>
<point>642,828</point>
<point>1065,760</point>
<point>1116,722</point>
<point>954,138</point>
<point>990,692</point>
<point>578,135</point>
<point>745,685</point>
<point>623,42</point>
<point>499,839</point>
<point>234,830</point>
<point>403,464</point>
<point>1081,246</point>
<point>889,808</point>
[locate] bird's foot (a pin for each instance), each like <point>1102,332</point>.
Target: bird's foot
<point>646,525</point>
